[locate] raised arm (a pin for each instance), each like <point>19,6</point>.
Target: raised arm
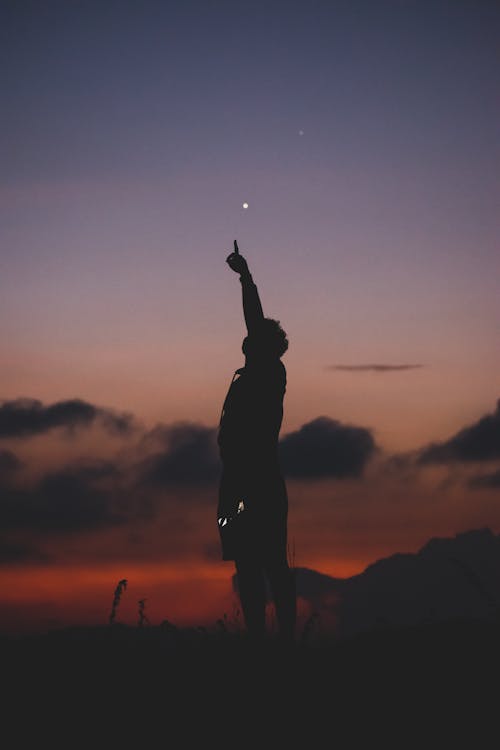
<point>252,307</point>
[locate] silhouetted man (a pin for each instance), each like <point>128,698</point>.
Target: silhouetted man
<point>253,503</point>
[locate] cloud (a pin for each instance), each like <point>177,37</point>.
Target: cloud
<point>9,463</point>
<point>478,442</point>
<point>326,448</point>
<point>25,417</point>
<point>12,552</point>
<point>76,498</point>
<point>399,467</point>
<point>188,454</point>
<point>373,368</point>
<point>485,481</point>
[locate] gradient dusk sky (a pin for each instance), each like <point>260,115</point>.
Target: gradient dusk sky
<point>364,138</point>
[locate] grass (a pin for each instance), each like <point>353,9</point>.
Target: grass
<point>207,685</point>
<point>214,682</point>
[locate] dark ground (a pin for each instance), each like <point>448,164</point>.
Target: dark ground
<point>115,686</point>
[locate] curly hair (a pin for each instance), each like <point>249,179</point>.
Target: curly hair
<point>276,336</point>
<point>270,339</point>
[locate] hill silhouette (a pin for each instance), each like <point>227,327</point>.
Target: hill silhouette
<point>447,579</point>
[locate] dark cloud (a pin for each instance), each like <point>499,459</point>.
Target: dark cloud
<point>478,442</point>
<point>326,448</point>
<point>77,498</point>
<point>486,481</point>
<point>399,467</point>
<point>373,368</point>
<point>14,552</point>
<point>321,448</point>
<point>9,463</point>
<point>188,453</point>
<point>398,463</point>
<point>25,417</point>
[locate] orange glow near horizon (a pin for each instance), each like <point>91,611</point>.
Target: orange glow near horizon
<point>83,595</point>
<point>40,582</point>
<point>186,595</point>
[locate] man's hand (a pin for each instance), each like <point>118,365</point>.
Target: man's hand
<point>237,262</point>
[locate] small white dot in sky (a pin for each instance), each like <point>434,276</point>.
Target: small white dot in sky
<point>301,132</point>
<point>245,205</point>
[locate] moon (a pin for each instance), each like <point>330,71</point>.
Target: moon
<point>245,205</point>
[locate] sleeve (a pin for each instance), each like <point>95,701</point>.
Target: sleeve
<point>252,307</point>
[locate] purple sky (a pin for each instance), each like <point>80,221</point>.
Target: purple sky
<point>364,137</point>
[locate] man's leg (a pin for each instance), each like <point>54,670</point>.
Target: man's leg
<point>252,592</point>
<point>282,582</point>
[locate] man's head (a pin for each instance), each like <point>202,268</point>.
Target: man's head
<point>269,341</point>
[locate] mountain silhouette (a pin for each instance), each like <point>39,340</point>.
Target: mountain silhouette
<point>447,579</point>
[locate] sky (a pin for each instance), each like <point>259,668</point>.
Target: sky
<point>362,138</point>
